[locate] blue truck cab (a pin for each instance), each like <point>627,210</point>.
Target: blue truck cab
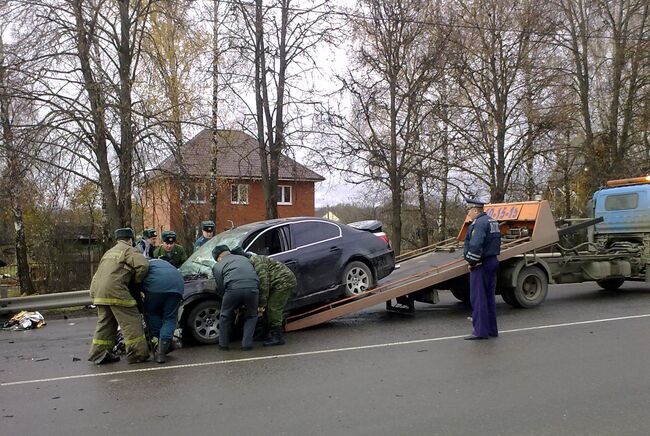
<point>625,210</point>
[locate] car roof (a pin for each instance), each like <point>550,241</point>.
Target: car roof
<point>268,223</point>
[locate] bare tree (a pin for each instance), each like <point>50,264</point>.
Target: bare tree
<point>279,44</point>
<point>397,62</point>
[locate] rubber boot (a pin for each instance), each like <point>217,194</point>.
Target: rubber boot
<point>275,338</point>
<point>162,350</point>
<point>105,358</point>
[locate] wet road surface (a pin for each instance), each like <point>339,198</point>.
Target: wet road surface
<point>577,365</point>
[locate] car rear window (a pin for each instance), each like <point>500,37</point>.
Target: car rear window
<point>622,201</point>
<point>310,232</point>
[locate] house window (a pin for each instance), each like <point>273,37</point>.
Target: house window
<point>284,194</point>
<point>239,194</point>
<point>196,193</point>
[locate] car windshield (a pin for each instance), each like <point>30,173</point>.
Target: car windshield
<point>201,261</point>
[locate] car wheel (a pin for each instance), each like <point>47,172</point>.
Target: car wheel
<point>203,322</point>
<point>357,278</point>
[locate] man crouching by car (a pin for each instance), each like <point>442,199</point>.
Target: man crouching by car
<point>238,283</point>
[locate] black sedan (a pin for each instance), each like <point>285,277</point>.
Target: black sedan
<point>330,260</point>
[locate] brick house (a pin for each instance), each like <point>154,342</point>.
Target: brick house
<point>240,198</point>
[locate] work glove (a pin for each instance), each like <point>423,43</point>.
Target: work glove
<point>260,310</point>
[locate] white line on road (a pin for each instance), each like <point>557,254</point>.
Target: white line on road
<point>311,353</point>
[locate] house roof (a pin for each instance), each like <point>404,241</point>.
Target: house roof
<point>238,157</point>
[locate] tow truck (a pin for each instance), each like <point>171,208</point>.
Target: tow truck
<point>617,249</point>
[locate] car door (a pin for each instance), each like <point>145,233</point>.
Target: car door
<point>317,249</point>
<point>274,242</point>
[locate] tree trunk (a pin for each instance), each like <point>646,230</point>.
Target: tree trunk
<point>214,150</point>
<point>126,124</point>
<point>14,177</point>
<point>97,106</point>
<point>424,222</point>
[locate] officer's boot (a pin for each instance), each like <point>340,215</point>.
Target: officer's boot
<point>275,338</point>
<point>162,350</point>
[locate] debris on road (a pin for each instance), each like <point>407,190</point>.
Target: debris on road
<point>25,320</point>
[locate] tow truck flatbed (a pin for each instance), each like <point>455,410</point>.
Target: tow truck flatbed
<point>533,228</point>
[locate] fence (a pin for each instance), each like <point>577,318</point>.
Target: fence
<point>62,276</point>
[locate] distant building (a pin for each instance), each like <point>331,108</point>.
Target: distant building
<point>240,198</point>
<point>330,216</point>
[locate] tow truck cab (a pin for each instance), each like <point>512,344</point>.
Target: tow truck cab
<point>625,207</point>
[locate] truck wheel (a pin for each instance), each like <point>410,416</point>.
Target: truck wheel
<point>532,287</point>
<point>508,295</point>
<point>610,284</point>
<point>203,322</point>
<point>461,294</point>
<point>357,278</point>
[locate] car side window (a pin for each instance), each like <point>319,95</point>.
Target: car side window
<point>268,241</point>
<point>310,232</point>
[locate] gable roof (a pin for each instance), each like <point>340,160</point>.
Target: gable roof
<point>238,157</point>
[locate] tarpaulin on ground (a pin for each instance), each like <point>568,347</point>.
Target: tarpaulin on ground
<point>25,320</point>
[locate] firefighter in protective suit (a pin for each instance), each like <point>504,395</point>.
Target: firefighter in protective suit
<point>120,267</point>
<point>277,283</point>
<point>482,245</point>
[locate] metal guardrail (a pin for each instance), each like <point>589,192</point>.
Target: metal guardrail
<point>48,301</point>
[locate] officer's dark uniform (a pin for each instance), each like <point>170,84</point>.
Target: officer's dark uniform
<point>237,280</point>
<point>208,226</point>
<point>163,288</point>
<point>176,256</point>
<point>482,245</point>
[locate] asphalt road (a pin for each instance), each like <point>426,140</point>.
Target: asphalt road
<point>577,365</point>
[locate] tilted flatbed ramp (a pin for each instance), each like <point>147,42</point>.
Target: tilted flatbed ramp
<point>532,221</point>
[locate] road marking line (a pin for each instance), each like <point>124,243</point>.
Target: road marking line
<point>311,353</point>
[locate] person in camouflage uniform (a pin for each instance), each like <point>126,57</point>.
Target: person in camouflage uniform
<point>170,250</point>
<point>120,267</point>
<point>277,283</point>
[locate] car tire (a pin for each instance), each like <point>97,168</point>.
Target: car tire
<point>357,278</point>
<point>203,322</point>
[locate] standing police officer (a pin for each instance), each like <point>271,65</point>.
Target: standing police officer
<point>207,232</point>
<point>170,250</point>
<point>482,245</point>
<point>277,283</point>
<point>119,268</point>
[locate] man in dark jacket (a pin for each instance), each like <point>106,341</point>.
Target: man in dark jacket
<point>277,283</point>
<point>120,266</point>
<point>163,288</point>
<point>238,283</point>
<point>170,250</point>
<point>482,245</point>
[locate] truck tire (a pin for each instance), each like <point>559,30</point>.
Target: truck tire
<point>610,284</point>
<point>461,294</point>
<point>531,289</point>
<point>203,322</point>
<point>508,295</point>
